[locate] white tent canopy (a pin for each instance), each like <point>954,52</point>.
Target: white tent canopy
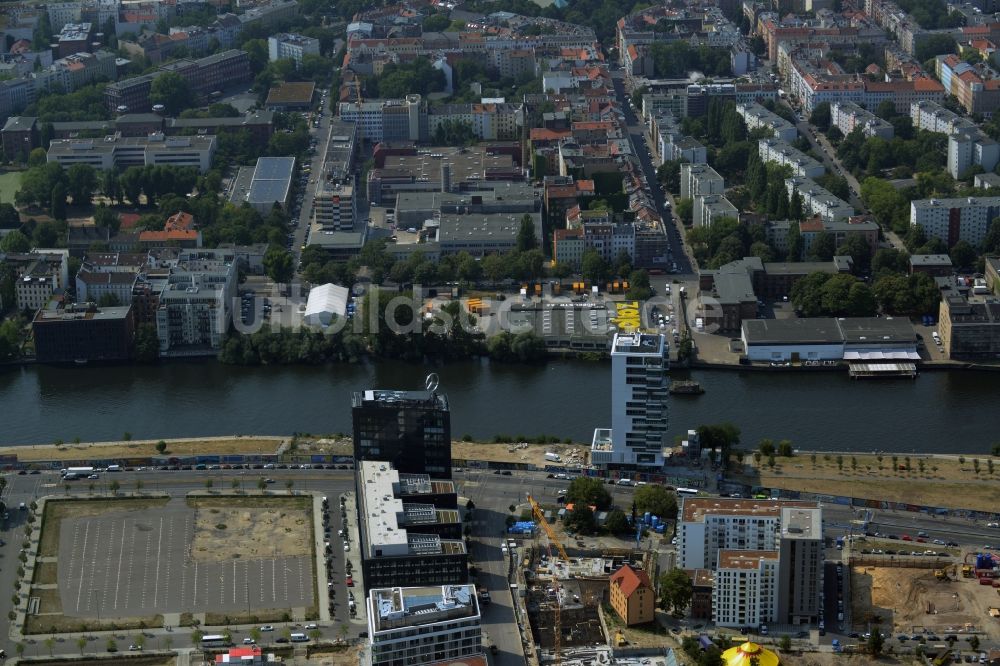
<point>324,302</point>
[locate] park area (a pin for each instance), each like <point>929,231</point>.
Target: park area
<point>126,562</point>
<point>10,183</point>
<point>958,482</point>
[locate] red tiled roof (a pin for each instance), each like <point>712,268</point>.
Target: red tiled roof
<point>629,580</point>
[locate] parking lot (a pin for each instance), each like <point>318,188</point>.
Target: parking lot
<point>124,564</point>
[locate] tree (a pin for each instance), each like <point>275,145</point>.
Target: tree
<point>58,202</point>
<point>963,255</point>
<point>81,644</point>
<point>684,209</point>
<point>15,241</point>
<point>161,447</point>
<point>766,447</point>
<point>526,239</point>
<point>9,217</point>
<point>823,246</point>
<point>81,183</point>
<point>593,267</point>
<point>147,344</point>
<point>796,210</point>
<point>856,247</point>
<point>581,519</point>
<point>279,264</point>
<point>617,522</point>
<point>657,500</point>
<point>261,484</point>
<point>820,116</point>
<point>588,491</point>
<point>105,217</point>
<point>50,643</point>
<point>676,591</point>
<point>172,91</point>
<point>785,449</point>
<point>875,643</point>
<point>785,643</point>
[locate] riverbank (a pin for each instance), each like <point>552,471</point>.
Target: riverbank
<point>232,445</point>
<point>950,480</point>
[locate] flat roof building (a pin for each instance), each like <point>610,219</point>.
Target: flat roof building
<point>411,430</point>
<point>120,152</point>
<point>269,184</point>
<point>406,540</point>
<point>639,364</point>
<point>828,338</point>
<point>800,574</point>
<point>424,625</point>
<point>288,96</point>
<point>83,332</point>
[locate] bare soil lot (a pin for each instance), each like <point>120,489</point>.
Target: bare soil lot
<point>945,481</point>
<point>142,449</point>
<point>913,601</point>
<point>251,528</point>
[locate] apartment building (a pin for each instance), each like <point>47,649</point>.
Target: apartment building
<point>800,573</point>
<point>195,306</point>
<point>700,180</point>
<point>632,595</point>
<point>952,220</point>
<point>967,149</point>
<point>711,208</point>
<point>758,117</point>
<point>413,626</point>
<point>120,152</point>
<point>288,45</point>
<point>639,414</point>
<point>781,152</point>
<point>933,117</point>
<point>489,121</point>
<point>817,200</point>
<point>397,539</point>
<point>840,230</point>
<point>334,202</point>
<point>708,525</point>
<point>848,116</point>
<point>746,588</point>
<point>975,86</point>
<point>387,119</point>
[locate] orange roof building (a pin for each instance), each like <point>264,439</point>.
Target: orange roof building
<point>632,595</point>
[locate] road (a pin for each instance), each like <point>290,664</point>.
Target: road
<point>321,134</point>
<point>492,495</point>
<point>637,138</point>
<point>822,147</point>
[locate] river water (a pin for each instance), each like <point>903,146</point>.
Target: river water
<point>939,412</point>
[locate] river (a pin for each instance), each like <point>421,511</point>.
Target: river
<point>939,412</point>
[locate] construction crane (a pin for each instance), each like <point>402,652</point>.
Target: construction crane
<point>539,514</point>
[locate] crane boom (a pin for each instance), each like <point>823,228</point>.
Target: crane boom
<point>536,510</point>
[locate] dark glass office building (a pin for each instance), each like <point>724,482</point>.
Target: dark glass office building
<point>409,429</point>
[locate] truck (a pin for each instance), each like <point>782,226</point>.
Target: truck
<point>80,472</point>
<point>966,571</point>
<point>552,457</point>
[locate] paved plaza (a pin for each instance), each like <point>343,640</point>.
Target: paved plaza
<point>127,564</point>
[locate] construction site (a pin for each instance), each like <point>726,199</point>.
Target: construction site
<point>563,594</point>
<point>926,598</point>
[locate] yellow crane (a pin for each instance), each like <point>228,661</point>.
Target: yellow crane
<point>539,514</point>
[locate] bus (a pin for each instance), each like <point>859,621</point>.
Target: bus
<point>299,638</point>
<point>71,473</point>
<point>214,641</point>
<point>687,491</point>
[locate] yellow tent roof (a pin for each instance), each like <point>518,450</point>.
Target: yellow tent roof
<point>742,654</point>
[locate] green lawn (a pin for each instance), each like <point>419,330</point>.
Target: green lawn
<point>10,183</point>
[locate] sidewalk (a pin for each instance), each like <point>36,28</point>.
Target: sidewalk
<point>354,557</point>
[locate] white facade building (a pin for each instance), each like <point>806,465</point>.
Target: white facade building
<point>287,45</point>
<point>817,200</point>
<point>776,150</point>
<point>848,116</point>
<point>195,306</point>
<point>712,208</point>
<point>639,364</point>
<point>953,220</point>
<point>756,117</point>
<point>700,179</point>
<point>967,149</point>
<point>122,152</point>
<point>746,588</point>
<point>424,625</point>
